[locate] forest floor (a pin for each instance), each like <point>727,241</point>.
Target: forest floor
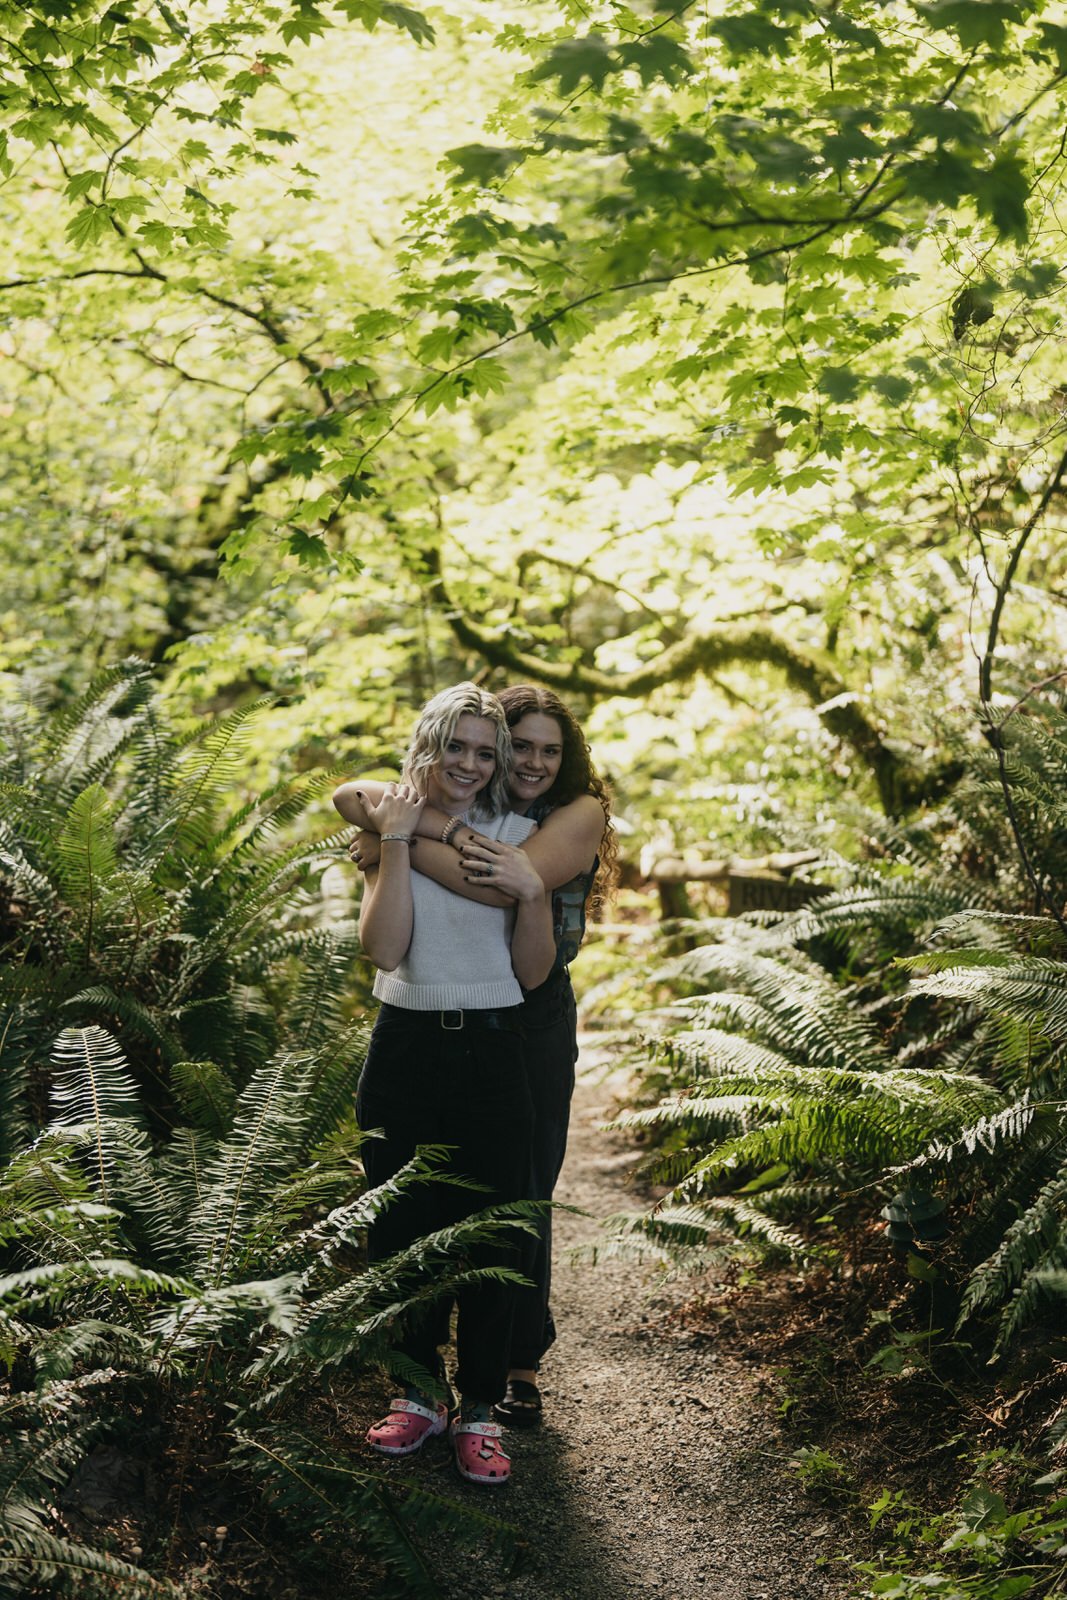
<point>661,1466</point>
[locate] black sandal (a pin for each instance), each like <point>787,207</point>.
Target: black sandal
<point>521,1405</point>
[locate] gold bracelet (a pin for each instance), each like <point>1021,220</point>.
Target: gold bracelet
<point>449,829</point>
<point>405,837</point>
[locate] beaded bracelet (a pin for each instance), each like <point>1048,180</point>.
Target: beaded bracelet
<point>449,829</point>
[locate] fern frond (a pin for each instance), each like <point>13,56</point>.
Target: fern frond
<point>67,1232</point>
<point>49,1285</point>
<point>92,1093</point>
<point>345,1226</point>
<point>73,734</point>
<point>75,1569</point>
<point>203,1318</point>
<point>914,906</point>
<point>312,1486</point>
<point>207,770</point>
<point>313,1015</point>
<point>205,1094</point>
<point>752,1222</point>
<point>1032,987</point>
<point>34,886</point>
<point>91,1343</point>
<point>357,1314</point>
<point>931,961</point>
<point>268,1131</point>
<point>247,903</point>
<point>270,820</point>
<point>1027,1244</point>
<point>42,1175</point>
<point>331,1076</point>
<point>825,1030</point>
<point>1039,1286</point>
<point>1011,1125</point>
<point>142,1020</point>
<point>1000,930</point>
<point>100,1111</point>
<point>92,1081</point>
<point>183,1173</point>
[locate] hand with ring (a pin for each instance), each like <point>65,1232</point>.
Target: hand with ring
<point>365,850</point>
<point>509,869</point>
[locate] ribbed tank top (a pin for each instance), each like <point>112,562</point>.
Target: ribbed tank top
<point>459,957</point>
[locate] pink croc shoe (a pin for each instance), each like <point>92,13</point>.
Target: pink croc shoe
<point>479,1457</point>
<point>407,1427</point>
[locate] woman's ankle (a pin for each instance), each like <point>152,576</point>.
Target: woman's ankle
<point>475,1410</point>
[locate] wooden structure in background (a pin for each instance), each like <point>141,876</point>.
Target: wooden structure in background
<point>762,883</point>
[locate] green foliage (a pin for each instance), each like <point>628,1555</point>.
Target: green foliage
<point>984,1550</point>
<point>137,898</point>
<point>259,1233</point>
<point>95,83</point>
<point>799,1073</point>
<point>821,1473</point>
<point>654,354</point>
<point>181,1219</point>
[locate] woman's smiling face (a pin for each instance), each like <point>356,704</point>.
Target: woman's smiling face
<point>537,741</point>
<point>467,765</point>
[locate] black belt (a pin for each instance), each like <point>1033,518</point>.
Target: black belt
<point>452,1021</point>
<point>506,1018</point>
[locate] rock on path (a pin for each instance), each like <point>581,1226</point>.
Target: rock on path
<point>659,1468</point>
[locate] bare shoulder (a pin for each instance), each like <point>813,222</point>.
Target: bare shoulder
<point>583,816</point>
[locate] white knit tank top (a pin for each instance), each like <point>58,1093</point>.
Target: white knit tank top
<point>459,957</point>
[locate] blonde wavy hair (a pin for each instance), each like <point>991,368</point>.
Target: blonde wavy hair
<point>436,727</point>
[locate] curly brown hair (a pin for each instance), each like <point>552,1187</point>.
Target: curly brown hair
<point>577,774</point>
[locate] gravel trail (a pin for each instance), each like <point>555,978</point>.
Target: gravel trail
<point>659,1467</point>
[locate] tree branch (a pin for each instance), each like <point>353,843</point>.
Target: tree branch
<point>1051,489</point>
<point>901,783</point>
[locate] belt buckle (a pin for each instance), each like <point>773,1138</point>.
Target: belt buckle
<point>452,1027</point>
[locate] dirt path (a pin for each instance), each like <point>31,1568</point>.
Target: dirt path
<point>659,1468</point>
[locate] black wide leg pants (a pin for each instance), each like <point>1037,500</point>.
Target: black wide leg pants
<point>427,1081</point>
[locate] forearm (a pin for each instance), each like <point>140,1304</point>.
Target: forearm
<point>533,946</point>
<point>443,864</point>
<point>386,914</point>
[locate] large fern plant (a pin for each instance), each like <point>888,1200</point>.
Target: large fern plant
<point>908,1029</point>
<point>137,895</point>
<point>205,1283</point>
<point>181,1216</point>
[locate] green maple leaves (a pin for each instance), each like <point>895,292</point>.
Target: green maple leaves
<point>589,60</point>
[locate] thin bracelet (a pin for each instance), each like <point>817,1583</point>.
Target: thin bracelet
<point>404,837</point>
<point>450,827</point>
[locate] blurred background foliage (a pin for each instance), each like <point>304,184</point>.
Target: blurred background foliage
<point>709,362</point>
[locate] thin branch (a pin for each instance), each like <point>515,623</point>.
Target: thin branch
<point>1003,588</point>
